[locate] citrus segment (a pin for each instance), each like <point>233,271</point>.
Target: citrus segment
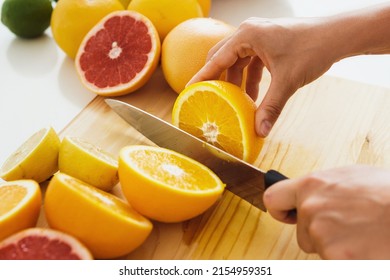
<point>108,226</point>
<point>220,113</point>
<point>184,50</point>
<point>20,203</point>
<point>88,162</point>
<point>36,158</point>
<point>72,19</point>
<point>166,186</point>
<point>42,244</point>
<point>119,54</point>
<point>166,14</point>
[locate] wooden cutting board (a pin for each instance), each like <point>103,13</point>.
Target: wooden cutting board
<point>329,123</point>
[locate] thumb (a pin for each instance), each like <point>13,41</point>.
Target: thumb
<point>270,108</point>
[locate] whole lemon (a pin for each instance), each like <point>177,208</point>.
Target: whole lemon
<point>184,50</point>
<point>72,19</point>
<point>26,18</point>
<point>166,14</point>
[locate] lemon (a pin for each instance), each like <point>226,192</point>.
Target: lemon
<point>20,204</point>
<point>36,158</point>
<point>27,18</point>
<point>166,186</point>
<point>72,19</point>
<point>88,163</point>
<point>108,226</point>
<point>166,14</point>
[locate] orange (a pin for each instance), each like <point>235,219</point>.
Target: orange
<point>20,203</point>
<point>222,114</point>
<point>206,6</point>
<point>72,19</point>
<point>36,158</point>
<point>108,226</point>
<point>27,245</point>
<point>184,50</point>
<point>166,186</point>
<point>119,54</point>
<point>166,14</point>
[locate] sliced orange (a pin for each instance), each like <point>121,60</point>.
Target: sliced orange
<point>222,114</point>
<point>108,226</point>
<point>119,54</point>
<point>20,204</point>
<point>27,245</point>
<point>166,186</point>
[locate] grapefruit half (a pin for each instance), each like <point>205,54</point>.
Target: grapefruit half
<point>119,54</point>
<point>42,244</point>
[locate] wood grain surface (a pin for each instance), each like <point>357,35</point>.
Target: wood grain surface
<point>331,122</point>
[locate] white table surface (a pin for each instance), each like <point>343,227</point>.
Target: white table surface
<point>39,85</point>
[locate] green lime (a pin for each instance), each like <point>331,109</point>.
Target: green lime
<point>26,18</point>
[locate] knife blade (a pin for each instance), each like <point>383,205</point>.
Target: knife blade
<point>240,177</point>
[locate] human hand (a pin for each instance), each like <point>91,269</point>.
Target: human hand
<point>342,213</point>
<point>294,51</point>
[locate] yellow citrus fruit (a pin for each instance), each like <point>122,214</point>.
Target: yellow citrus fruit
<point>72,19</point>
<point>28,244</point>
<point>36,158</point>
<point>119,54</point>
<point>222,114</point>
<point>88,162</point>
<point>166,186</point>
<point>166,14</point>
<point>108,226</point>
<point>20,204</point>
<point>206,6</point>
<point>184,50</point>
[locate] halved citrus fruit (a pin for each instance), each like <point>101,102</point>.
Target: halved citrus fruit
<point>88,162</point>
<point>42,244</point>
<point>36,158</point>
<point>108,226</point>
<point>166,186</point>
<point>20,204</point>
<point>221,114</point>
<point>119,54</point>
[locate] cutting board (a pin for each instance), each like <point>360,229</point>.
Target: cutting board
<point>331,122</point>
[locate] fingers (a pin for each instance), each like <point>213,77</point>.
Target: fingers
<point>280,199</point>
<point>271,106</point>
<point>254,74</point>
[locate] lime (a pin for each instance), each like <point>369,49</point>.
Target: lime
<point>26,18</point>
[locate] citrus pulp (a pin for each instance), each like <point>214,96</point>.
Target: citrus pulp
<point>166,186</point>
<point>36,158</point>
<point>222,114</point>
<point>20,204</point>
<point>28,244</point>
<point>72,19</point>
<point>119,54</point>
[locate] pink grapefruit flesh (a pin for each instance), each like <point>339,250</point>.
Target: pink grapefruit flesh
<point>119,54</point>
<point>42,244</point>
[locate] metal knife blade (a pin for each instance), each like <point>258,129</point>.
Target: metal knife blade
<point>241,178</point>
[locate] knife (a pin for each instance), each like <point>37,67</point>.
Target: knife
<point>240,177</point>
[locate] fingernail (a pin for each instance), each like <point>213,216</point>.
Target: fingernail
<point>265,127</point>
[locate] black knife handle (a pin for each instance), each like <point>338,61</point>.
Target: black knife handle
<point>271,177</point>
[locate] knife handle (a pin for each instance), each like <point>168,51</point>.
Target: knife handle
<point>271,177</point>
